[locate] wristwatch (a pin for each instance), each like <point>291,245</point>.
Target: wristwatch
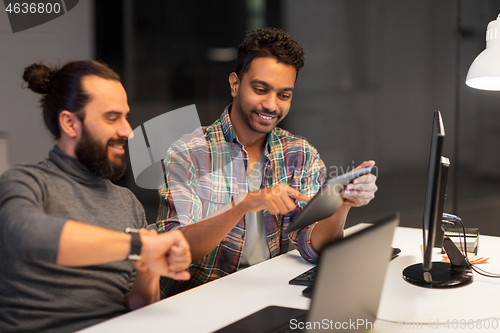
<point>135,244</point>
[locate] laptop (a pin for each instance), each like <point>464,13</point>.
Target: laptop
<point>351,273</point>
<point>326,201</point>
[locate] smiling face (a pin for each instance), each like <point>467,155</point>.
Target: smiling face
<point>261,98</point>
<point>105,130</point>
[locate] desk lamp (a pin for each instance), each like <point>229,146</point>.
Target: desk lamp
<point>484,73</point>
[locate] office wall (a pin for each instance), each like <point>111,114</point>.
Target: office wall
<point>65,38</point>
<point>375,72</point>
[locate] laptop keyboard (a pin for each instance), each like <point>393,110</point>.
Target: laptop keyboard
<point>308,277</point>
<point>305,279</point>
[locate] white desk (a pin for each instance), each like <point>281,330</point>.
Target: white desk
<point>218,303</point>
<point>405,303</point>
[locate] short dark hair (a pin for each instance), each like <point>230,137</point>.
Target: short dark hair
<point>269,42</point>
<point>61,88</point>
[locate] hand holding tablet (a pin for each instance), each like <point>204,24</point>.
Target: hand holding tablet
<point>328,199</point>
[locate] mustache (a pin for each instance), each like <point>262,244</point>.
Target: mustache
<point>266,112</point>
<point>119,141</point>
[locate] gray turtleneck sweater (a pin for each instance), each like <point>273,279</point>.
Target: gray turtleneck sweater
<point>36,294</point>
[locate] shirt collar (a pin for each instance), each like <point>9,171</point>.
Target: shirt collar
<point>227,126</point>
<point>72,166</point>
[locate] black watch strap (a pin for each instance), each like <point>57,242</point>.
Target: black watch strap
<point>135,244</point>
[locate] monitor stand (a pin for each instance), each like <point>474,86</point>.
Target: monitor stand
<point>442,275</point>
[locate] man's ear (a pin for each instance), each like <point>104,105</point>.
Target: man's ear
<point>70,124</point>
<point>234,83</point>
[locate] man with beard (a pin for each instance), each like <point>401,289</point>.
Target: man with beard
<point>65,261</point>
<point>234,187</point>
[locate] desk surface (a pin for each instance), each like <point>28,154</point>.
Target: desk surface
<point>218,303</point>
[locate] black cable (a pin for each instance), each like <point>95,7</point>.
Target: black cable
<point>476,269</point>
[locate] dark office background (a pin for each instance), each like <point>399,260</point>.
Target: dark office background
<point>375,72</point>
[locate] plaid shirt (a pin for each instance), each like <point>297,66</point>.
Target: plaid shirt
<point>206,170</point>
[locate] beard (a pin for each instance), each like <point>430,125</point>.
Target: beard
<point>95,157</point>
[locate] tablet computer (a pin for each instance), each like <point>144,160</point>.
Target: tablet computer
<point>326,201</point>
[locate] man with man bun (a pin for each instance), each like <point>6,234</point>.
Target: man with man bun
<point>69,237</point>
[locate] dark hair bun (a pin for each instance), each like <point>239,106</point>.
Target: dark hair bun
<point>38,77</point>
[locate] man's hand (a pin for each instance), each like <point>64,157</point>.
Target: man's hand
<point>276,199</point>
<point>362,189</point>
<point>166,254</point>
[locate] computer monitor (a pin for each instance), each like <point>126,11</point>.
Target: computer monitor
<point>437,274</point>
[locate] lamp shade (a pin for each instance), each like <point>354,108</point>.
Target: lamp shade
<point>484,73</point>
